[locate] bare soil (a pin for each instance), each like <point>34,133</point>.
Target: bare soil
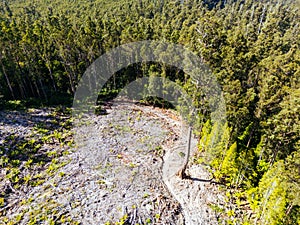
<point>122,171</point>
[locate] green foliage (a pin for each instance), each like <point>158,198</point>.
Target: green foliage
<point>229,168</point>
<point>251,46</point>
<point>272,192</point>
<point>14,105</point>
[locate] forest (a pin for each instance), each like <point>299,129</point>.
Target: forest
<point>252,46</point>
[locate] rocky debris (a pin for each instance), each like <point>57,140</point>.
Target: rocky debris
<point>122,170</point>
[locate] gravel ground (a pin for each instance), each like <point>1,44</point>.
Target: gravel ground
<point>122,171</point>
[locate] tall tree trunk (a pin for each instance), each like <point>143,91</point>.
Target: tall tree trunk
<point>7,80</point>
<point>43,89</point>
<point>22,89</point>
<point>181,173</point>
<point>70,78</point>
<point>37,89</point>
<point>51,76</point>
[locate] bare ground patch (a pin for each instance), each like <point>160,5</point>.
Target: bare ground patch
<point>121,172</point>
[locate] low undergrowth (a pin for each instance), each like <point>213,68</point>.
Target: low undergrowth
<point>30,156</point>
